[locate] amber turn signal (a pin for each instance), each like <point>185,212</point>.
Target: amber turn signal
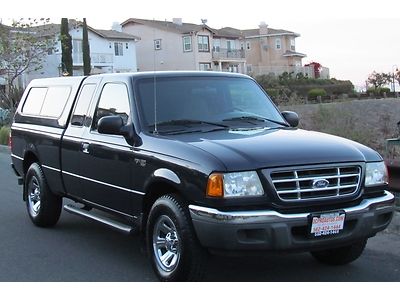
<point>215,185</point>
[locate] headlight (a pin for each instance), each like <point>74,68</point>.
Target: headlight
<point>237,184</point>
<point>375,174</point>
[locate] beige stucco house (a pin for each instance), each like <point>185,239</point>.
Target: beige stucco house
<point>171,45</point>
<point>183,46</point>
<point>271,50</point>
<point>176,45</point>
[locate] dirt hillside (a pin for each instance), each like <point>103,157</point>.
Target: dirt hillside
<point>370,122</point>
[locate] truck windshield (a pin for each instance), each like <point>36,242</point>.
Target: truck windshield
<point>208,100</point>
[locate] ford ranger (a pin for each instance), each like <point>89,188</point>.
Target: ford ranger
<point>198,163</point>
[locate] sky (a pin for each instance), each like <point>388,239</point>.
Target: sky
<point>352,38</point>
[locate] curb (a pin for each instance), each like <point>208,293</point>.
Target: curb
<point>4,149</point>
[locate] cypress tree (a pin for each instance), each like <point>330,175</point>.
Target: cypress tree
<point>85,49</point>
<point>66,48</point>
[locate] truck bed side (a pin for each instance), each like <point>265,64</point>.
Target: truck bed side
<point>39,124</point>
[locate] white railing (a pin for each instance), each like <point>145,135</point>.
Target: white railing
<point>220,53</point>
<point>96,59</point>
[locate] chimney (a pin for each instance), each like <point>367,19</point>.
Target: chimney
<point>72,24</point>
<point>116,26</point>
<point>263,28</point>
<point>177,21</point>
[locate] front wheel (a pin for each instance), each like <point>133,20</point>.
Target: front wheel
<point>342,255</point>
<point>175,252</point>
<point>44,208</point>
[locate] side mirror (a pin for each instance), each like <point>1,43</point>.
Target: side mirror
<point>110,125</point>
<point>291,117</point>
<point>115,125</point>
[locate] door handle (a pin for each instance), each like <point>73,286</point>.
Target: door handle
<point>85,148</point>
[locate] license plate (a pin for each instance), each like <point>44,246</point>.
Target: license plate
<point>327,223</point>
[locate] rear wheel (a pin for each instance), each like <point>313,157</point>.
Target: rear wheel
<point>342,255</point>
<point>44,208</point>
<point>175,253</point>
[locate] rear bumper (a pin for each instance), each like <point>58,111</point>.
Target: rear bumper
<point>271,230</point>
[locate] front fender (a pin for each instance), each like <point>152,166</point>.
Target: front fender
<point>167,175</point>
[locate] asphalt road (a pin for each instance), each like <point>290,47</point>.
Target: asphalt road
<point>81,250</point>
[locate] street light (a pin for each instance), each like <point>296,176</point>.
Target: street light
<point>394,75</point>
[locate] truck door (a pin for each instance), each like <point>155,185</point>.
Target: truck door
<point>106,160</point>
<point>72,139</point>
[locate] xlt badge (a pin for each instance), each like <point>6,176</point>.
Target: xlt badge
<point>140,162</point>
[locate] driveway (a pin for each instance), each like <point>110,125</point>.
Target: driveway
<point>80,250</point>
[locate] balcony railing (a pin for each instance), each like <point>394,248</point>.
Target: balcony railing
<point>219,53</point>
<point>96,59</point>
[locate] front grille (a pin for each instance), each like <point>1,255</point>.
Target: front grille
<point>316,183</point>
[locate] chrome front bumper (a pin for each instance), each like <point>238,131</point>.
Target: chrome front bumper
<point>268,229</point>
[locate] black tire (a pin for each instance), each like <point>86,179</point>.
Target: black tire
<point>44,208</point>
<point>342,255</point>
<point>169,223</point>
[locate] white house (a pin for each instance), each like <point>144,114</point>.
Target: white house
<point>111,51</point>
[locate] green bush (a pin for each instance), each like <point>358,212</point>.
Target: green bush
<point>314,93</point>
<point>378,91</point>
<point>5,117</point>
<point>289,83</point>
<point>4,134</point>
<point>273,93</point>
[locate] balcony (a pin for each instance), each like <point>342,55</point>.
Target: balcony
<point>96,59</point>
<point>227,54</point>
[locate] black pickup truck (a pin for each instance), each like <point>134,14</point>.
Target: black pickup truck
<point>198,163</point>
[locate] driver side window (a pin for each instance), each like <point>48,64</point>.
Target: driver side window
<point>114,101</point>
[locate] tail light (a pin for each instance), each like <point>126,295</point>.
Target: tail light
<point>9,140</point>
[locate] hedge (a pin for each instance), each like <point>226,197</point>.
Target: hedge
<point>4,134</point>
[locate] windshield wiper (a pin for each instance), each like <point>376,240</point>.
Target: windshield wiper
<point>185,122</point>
<point>255,118</point>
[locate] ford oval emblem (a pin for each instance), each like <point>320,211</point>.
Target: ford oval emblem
<point>320,183</point>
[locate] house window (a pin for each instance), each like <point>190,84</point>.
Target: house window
<point>77,46</point>
<point>157,44</point>
<point>217,45</point>
<point>292,45</point>
<point>119,49</point>
<point>203,43</point>
<point>187,43</point>
<point>231,45</point>
<point>204,66</point>
<point>278,44</point>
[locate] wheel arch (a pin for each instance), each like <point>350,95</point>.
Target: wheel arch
<point>162,182</point>
<point>29,158</point>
